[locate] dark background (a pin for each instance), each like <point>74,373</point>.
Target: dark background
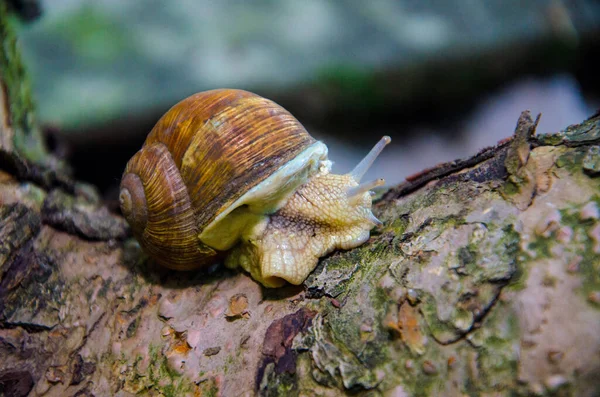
<point>443,78</point>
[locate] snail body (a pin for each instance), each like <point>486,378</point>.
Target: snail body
<point>227,173</point>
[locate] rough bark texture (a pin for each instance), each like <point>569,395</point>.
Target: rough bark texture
<point>483,280</point>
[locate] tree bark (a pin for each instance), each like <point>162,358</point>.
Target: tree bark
<point>483,280</point>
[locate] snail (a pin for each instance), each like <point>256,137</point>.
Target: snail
<point>229,174</point>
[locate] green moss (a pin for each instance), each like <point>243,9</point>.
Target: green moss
<point>231,360</point>
<point>466,256</point>
<point>399,225</point>
<point>425,385</point>
<point>588,131</point>
<point>162,377</point>
<point>497,367</point>
<point>510,188</point>
<point>365,256</point>
<point>14,77</point>
<point>549,280</point>
<point>436,197</point>
<point>582,245</point>
<point>553,139</point>
<point>210,389</point>
<point>542,246</point>
<point>511,239</point>
<point>469,258</point>
<point>374,352</point>
<point>440,330</point>
<point>360,352</point>
<point>496,343</point>
<point>572,160</point>
<point>498,357</point>
<point>275,384</point>
<point>421,382</point>
<point>286,385</point>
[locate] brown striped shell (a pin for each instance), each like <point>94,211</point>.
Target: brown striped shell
<point>203,154</point>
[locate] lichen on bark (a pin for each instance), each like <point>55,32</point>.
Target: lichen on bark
<point>461,291</point>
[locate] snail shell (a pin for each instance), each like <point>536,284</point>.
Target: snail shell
<point>214,172</point>
<point>204,154</point>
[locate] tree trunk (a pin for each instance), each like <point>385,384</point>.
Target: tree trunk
<point>483,280</point>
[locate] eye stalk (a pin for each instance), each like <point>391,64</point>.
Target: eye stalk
<point>361,169</point>
<point>364,187</point>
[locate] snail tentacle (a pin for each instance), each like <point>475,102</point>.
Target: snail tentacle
<point>356,191</point>
<point>360,170</point>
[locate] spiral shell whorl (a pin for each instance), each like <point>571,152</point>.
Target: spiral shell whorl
<point>161,216</point>
<point>133,202</point>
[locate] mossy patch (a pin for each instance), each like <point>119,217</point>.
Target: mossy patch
<point>572,160</point>
<point>274,384</point>
<point>370,346</point>
<point>15,81</point>
<point>157,379</point>
<point>163,378</point>
<point>588,131</point>
<point>552,139</point>
<point>519,277</point>
<point>584,244</point>
<point>497,350</point>
<point>425,375</point>
<point>468,263</point>
<point>441,330</point>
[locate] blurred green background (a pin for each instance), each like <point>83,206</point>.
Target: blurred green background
<point>444,78</point>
